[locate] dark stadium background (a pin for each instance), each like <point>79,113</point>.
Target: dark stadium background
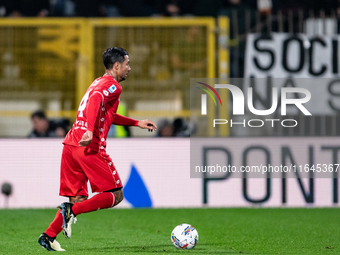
<point>50,52</point>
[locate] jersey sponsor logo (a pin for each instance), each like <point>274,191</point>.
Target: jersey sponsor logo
<point>112,89</point>
<point>105,92</point>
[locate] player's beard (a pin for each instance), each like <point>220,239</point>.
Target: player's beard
<point>124,77</point>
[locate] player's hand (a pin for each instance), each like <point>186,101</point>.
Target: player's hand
<point>86,139</point>
<point>147,124</point>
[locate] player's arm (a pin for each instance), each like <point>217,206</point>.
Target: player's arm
<point>125,121</point>
<point>93,105</point>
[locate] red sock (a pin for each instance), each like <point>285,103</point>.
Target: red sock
<point>99,201</point>
<point>55,227</point>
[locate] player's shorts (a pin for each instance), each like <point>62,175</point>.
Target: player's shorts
<point>80,164</point>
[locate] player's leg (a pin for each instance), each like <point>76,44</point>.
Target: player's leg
<point>56,226</point>
<point>100,201</point>
<point>77,199</point>
<point>72,182</point>
<point>104,179</point>
<point>118,194</point>
<point>67,215</point>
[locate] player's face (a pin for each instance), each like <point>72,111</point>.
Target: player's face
<point>124,68</point>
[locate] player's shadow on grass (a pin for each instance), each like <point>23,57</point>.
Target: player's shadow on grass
<point>166,249</point>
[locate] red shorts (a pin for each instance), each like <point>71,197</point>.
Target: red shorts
<point>80,164</point>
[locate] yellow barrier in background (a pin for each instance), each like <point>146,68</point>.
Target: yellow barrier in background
<point>49,63</point>
<point>224,69</point>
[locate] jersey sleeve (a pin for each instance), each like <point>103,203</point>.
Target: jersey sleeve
<point>123,121</point>
<point>95,100</point>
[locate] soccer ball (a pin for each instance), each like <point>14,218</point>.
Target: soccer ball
<point>184,236</point>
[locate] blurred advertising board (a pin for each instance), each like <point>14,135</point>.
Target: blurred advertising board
<point>158,173</point>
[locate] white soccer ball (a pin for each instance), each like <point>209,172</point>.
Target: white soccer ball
<point>184,236</point>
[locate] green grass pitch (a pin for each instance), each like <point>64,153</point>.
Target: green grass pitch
<point>147,231</point>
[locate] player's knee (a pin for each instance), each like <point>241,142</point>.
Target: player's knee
<point>119,196</point>
<point>77,199</point>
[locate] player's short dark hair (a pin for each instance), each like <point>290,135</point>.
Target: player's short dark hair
<point>39,114</point>
<point>113,55</point>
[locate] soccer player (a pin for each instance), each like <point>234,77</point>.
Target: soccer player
<point>84,156</point>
